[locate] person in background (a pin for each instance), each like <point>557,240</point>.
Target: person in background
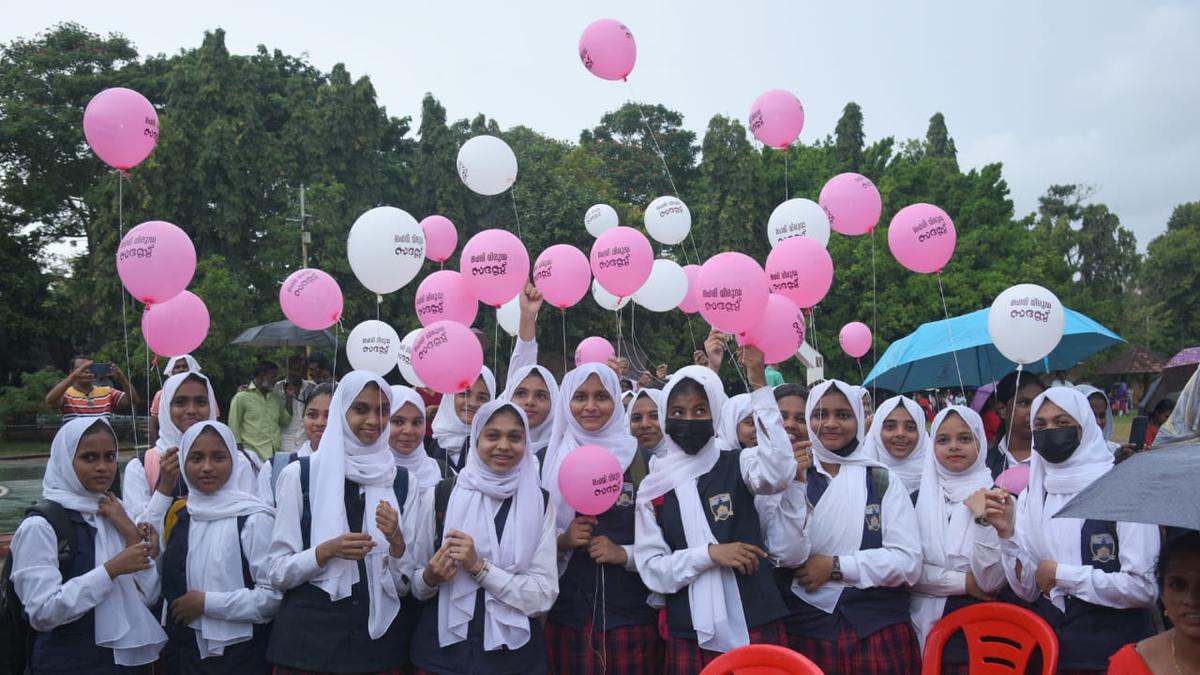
<point>1015,392</point>
<point>1098,400</point>
<point>258,415</point>
<point>774,377</point>
<point>293,435</point>
<point>992,423</point>
<point>316,418</point>
<point>320,370</point>
<point>1060,379</point>
<point>1160,415</point>
<point>78,395</point>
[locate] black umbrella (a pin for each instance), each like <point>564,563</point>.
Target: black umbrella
<point>284,334</point>
<point>1156,488</point>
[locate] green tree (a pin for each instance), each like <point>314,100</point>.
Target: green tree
<point>937,139</point>
<point>849,138</point>
<point>1170,277</point>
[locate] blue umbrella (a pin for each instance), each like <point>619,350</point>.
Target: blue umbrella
<point>925,359</point>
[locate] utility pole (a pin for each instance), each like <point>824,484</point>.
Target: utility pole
<point>305,234</point>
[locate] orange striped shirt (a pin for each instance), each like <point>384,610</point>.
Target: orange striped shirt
<point>99,402</point>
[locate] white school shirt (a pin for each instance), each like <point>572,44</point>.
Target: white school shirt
<point>250,605</point>
<point>143,504</point>
<point>524,354</point>
<point>928,601</point>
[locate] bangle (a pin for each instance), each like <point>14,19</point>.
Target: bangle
<point>982,521</point>
<point>483,571</point>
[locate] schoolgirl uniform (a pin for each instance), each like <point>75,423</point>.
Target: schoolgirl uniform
<point>220,547</point>
<point>910,469</point>
<point>342,617</point>
<point>84,621</point>
<point>692,500</point>
<point>451,433</point>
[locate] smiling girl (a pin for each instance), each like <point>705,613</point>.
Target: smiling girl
<point>898,440</point>
<point>452,423</point>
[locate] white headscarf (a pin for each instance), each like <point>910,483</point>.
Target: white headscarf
<point>910,468</point>
<point>654,395</point>
<point>1183,426</point>
<point>342,456</point>
<point>193,364</point>
<point>715,601</point>
<point>472,509</point>
<point>123,623</point>
<point>214,561</point>
<point>539,436</point>
<point>737,408</point>
<point>945,521</point>
<point>568,434</point>
<point>450,431</point>
<point>169,435</point>
<point>420,466</point>
<point>1088,390</point>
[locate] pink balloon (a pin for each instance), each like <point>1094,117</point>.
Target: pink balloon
<point>447,357</point>
<point>607,49</point>
<point>1015,479</point>
<point>855,339</point>
<point>590,480</point>
<point>311,299</point>
<point>121,126</point>
<point>621,260</point>
<point>691,301</point>
<point>776,118</point>
<point>561,273</point>
<point>922,238</point>
<point>440,238</point>
<point>156,261</point>
<point>594,350</point>
<point>495,265</point>
<point>444,296</point>
<point>177,326</point>
<point>733,292</point>
<point>800,269</point>
<point>852,202</point>
<point>780,331</point>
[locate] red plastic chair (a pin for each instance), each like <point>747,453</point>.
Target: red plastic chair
<point>1000,639</point>
<point>761,660</point>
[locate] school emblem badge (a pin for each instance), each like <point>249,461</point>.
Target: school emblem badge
<point>871,516</point>
<point>721,506</point>
<point>626,498</point>
<point>1102,546</point>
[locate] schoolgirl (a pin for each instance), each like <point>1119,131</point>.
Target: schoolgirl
<point>316,418</point>
<point>737,428</point>
<point>899,442</point>
<point>452,423</point>
<point>645,426</point>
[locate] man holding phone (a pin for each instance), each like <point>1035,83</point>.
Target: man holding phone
<point>78,395</point>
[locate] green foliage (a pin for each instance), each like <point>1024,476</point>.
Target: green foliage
<point>29,397</point>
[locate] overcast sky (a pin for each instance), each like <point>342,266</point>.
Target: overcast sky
<point>1097,92</point>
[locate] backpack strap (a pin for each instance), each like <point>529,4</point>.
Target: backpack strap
<point>278,462</point>
<point>878,476</point>
<point>64,531</point>
<point>306,511</point>
<point>400,487</point>
<point>172,518</point>
<point>247,577</point>
<point>152,464</point>
<point>441,499</point>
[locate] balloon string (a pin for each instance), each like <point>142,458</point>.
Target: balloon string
<point>496,347</point>
<point>785,174</point>
<point>124,318</point>
<point>874,319</point>
<point>950,330</point>
<point>691,332</point>
<point>337,332</point>
<point>662,157</point>
<point>512,192</point>
<point>618,330</point>
<point>600,597</point>
<point>860,373</point>
<point>812,320</point>
<point>563,313</point>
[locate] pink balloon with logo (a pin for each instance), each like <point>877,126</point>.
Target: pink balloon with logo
<point>800,269</point>
<point>855,339</point>
<point>1014,479</point>
<point>495,265</point>
<point>607,49</point>
<point>561,273</point>
<point>922,238</point>
<point>590,480</point>
<point>311,299</point>
<point>444,296</point>
<point>593,350</point>
<point>447,357</point>
<point>780,331</point>
<point>621,260</point>
<point>441,238</point>
<point>121,126</point>
<point>691,301</point>
<point>177,326</point>
<point>156,261</point>
<point>777,118</point>
<point>852,202</point>
<point>733,292</point>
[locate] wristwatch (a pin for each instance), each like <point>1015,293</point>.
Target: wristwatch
<point>836,573</point>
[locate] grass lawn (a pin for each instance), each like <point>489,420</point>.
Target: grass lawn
<point>15,448</point>
<point>1121,427</point>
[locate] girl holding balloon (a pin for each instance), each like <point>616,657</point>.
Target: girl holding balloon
<point>531,386</point>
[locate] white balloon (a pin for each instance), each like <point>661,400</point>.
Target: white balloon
<point>668,220</point>
<point>487,165</point>
<point>605,299</point>
<point>600,219</point>
<point>404,358</point>
<point>665,289</point>
<point>798,217</point>
<point>386,249</point>
<point>374,346</point>
<point>509,315</point>
<point>1026,322</point>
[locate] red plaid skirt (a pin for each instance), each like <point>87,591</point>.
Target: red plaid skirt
<point>888,651</point>
<point>283,670</point>
<point>685,657</point>
<point>628,650</point>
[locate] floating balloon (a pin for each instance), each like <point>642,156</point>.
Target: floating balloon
<point>852,202</point>
<point>665,289</point>
<point>621,260</point>
<point>447,357</point>
<point>495,266</point>
<point>590,480</point>
<point>922,238</point>
<point>776,118</point>
<point>404,358</point>
<point>386,249</point>
<point>121,126</point>
<point>691,300</point>
<point>855,339</point>
<point>600,219</point>
<point>801,270</point>
<point>561,273</point>
<point>1026,322</point>
<point>798,218</point>
<point>1014,479</point>
<point>444,295</point>
<point>440,238</point>
<point>177,326</point>
<point>607,300</point>
<point>156,261</point>
<point>594,350</point>
<point>607,49</point>
<point>668,220</point>
<point>733,292</point>
<point>374,346</point>
<point>311,299</point>
<point>780,332</point>
<point>509,316</point>
<point>487,165</point>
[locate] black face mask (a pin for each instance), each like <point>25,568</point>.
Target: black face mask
<point>690,435</point>
<point>1056,445</point>
<point>845,451</point>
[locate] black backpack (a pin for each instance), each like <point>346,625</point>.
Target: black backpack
<point>15,632</point>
